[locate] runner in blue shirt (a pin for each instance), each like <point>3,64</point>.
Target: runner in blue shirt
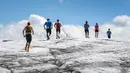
<point>86,29</point>
<point>48,26</point>
<point>109,33</point>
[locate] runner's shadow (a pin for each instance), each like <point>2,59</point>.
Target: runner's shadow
<point>7,40</point>
<point>38,46</point>
<point>42,40</point>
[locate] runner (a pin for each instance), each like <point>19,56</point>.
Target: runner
<point>48,26</point>
<point>86,29</point>
<point>96,30</point>
<point>28,31</point>
<point>57,25</point>
<point>109,34</point>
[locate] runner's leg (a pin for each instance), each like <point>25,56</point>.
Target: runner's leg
<point>97,34</point>
<point>85,33</point>
<point>26,43</point>
<point>26,47</point>
<point>56,33</point>
<point>29,41</point>
<point>47,31</point>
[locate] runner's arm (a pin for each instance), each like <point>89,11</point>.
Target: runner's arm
<point>23,33</point>
<point>84,25</point>
<point>44,26</point>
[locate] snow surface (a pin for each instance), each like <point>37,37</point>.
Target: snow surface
<point>84,55</point>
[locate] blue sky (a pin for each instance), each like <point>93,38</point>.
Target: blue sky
<point>68,11</point>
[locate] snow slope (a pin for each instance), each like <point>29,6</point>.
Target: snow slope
<point>66,54</point>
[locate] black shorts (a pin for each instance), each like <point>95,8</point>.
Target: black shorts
<point>58,30</point>
<point>96,30</point>
<point>109,36</point>
<point>86,30</point>
<point>28,38</point>
<point>48,30</point>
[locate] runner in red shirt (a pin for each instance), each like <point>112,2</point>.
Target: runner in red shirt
<point>57,25</point>
<point>96,30</point>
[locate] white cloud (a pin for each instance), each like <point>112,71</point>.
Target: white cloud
<point>60,1</point>
<point>36,19</point>
<point>14,30</point>
<point>120,27</point>
<point>122,20</point>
